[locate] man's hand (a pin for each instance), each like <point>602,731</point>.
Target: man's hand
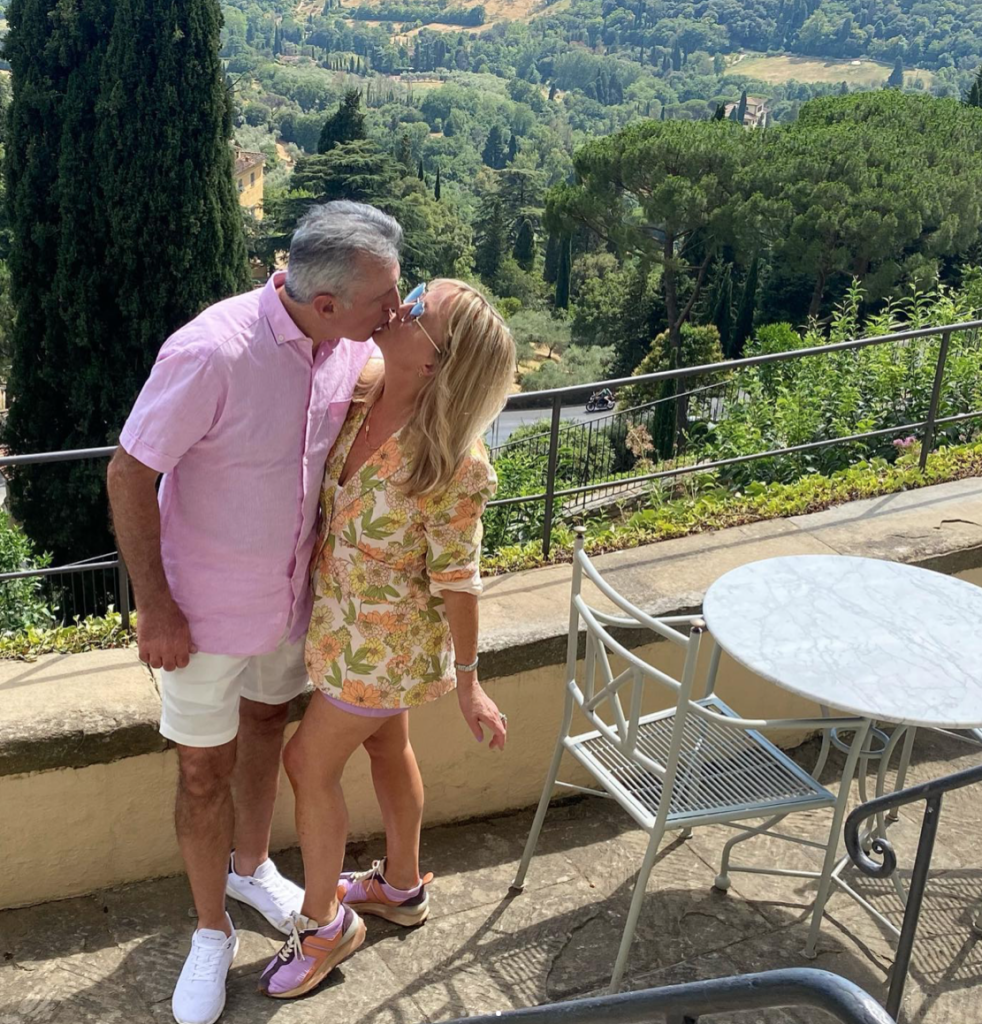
<point>163,636</point>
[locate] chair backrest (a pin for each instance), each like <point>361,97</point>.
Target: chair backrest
<point>602,690</point>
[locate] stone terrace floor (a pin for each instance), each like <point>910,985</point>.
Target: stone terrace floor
<point>113,957</point>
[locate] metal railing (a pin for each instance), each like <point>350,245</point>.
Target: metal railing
<point>926,427</point>
<point>71,579</point>
<point>932,793</point>
<point>840,999</point>
<point>715,399</point>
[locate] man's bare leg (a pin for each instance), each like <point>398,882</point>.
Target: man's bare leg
<point>255,780</point>
<point>204,821</point>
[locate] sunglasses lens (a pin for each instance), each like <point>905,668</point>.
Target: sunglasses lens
<point>417,311</point>
<point>415,294</point>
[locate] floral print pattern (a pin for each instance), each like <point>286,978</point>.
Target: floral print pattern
<point>378,634</point>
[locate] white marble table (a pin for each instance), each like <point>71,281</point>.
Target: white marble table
<point>889,642</point>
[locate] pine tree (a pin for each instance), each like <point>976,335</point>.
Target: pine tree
<point>346,124</point>
<point>745,315</point>
<point>742,108</point>
<point>974,97</point>
<point>524,250</point>
<point>436,187</point>
<point>563,272</point>
<point>896,79</point>
<point>116,245</point>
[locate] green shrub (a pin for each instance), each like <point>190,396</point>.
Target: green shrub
<point>23,604</point>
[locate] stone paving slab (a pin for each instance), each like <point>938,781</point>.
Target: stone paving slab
<point>113,957</point>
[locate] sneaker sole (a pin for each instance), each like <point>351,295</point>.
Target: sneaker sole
<point>221,1009</point>
<point>324,968</point>
<point>283,927</point>
<point>406,918</point>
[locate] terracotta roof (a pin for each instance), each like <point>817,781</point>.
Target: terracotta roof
<point>244,160</point>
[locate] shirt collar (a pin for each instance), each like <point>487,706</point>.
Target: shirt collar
<point>280,321</point>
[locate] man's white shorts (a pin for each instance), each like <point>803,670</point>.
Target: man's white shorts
<point>200,703</point>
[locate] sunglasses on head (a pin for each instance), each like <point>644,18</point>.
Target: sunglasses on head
<point>418,309</point>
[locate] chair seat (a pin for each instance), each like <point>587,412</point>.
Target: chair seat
<point>724,773</point>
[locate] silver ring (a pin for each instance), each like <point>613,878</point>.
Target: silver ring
<point>504,720</point>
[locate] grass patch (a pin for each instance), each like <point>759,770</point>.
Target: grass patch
<point>783,68</point>
<point>714,507</point>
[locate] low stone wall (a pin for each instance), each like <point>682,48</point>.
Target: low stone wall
<point>87,784</point>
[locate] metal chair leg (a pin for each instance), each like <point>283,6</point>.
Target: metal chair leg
<point>825,882</point>
<point>542,809</point>
<point>637,899</point>
<point>722,881</point>
<point>894,813</point>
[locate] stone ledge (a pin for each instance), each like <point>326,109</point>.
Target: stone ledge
<point>72,711</point>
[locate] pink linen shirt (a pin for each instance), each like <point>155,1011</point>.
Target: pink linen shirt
<point>239,414</point>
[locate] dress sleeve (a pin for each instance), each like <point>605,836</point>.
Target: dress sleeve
<point>452,522</point>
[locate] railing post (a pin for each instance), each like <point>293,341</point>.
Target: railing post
<point>557,409</point>
<point>123,582</point>
<point>932,413</point>
<point>912,912</point>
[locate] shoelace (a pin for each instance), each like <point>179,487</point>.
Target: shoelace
<point>275,886</point>
<point>365,876</point>
<point>294,944</point>
<point>207,960</point>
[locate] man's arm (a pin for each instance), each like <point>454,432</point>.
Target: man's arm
<point>162,630</point>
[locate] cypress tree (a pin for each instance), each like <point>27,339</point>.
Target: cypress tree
<point>896,79</point>
<point>436,187</point>
<point>563,272</point>
<point>676,56</point>
<point>720,114</point>
<point>974,97</point>
<point>524,250</point>
<point>550,267</point>
<point>723,308</point>
<point>742,108</point>
<point>492,238</point>
<point>494,151</point>
<point>512,148</point>
<point>419,172</point>
<point>745,315</point>
<point>116,242</point>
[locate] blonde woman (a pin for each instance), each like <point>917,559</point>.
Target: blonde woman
<point>395,624</point>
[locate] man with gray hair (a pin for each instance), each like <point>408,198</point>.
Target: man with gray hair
<point>239,414</point>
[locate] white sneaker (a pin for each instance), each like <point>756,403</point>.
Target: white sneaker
<point>267,891</point>
<point>199,996</point>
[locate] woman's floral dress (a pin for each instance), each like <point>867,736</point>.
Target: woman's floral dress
<point>378,634</point>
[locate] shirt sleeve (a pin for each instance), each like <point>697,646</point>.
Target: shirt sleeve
<point>177,407</point>
<point>452,523</point>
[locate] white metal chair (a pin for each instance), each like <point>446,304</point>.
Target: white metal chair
<point>697,763</point>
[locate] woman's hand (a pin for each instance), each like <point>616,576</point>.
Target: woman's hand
<point>479,709</point>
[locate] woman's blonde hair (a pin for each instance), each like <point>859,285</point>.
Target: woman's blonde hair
<point>463,397</point>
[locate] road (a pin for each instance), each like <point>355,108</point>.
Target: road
<point>511,419</point>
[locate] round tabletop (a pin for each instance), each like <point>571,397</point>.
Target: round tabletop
<point>874,638</point>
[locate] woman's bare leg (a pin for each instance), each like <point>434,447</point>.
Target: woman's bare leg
<point>399,790</point>
<point>314,760</point>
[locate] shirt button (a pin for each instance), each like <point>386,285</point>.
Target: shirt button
<point>280,337</point>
